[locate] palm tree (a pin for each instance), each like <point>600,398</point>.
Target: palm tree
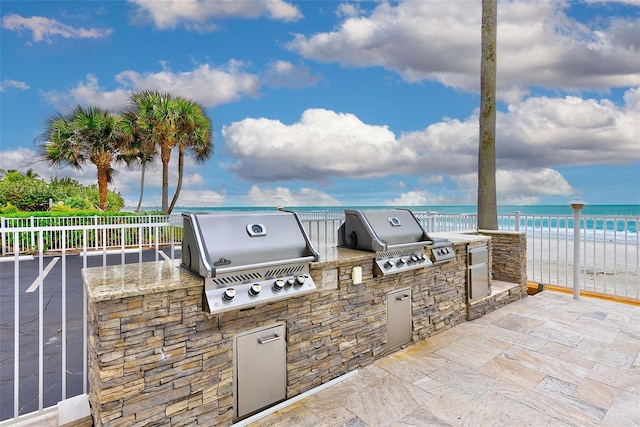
<point>166,121</point>
<point>84,135</point>
<point>141,154</point>
<point>487,204</point>
<point>196,137</point>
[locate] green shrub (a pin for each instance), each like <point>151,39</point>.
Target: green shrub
<point>79,203</point>
<point>60,207</point>
<point>9,209</point>
<point>32,194</point>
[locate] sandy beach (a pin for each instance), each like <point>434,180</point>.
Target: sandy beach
<point>605,267</point>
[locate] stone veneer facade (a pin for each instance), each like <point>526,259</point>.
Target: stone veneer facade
<point>158,359</point>
<point>508,257</point>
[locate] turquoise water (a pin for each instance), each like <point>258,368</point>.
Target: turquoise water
<point>621,224</point>
<point>610,210</point>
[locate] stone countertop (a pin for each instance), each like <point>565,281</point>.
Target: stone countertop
<point>333,254</point>
<point>121,281</point>
<point>461,237</point>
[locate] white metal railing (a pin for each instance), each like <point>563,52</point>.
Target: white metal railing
<point>59,280</point>
<point>610,261</point>
<point>609,255</point>
<point>609,251</point>
<point>30,228</point>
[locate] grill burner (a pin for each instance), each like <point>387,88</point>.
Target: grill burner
<point>247,259</point>
<point>397,238</point>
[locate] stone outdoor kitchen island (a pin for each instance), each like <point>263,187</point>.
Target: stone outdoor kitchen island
<point>157,358</point>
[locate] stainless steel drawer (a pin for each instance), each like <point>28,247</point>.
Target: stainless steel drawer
<point>478,255</point>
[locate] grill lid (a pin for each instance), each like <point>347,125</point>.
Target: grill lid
<point>215,243</point>
<point>381,230</point>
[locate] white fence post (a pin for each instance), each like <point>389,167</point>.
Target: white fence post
<point>3,221</point>
<point>576,205</point>
<point>516,225</point>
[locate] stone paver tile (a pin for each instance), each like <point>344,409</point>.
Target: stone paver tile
<point>626,379</point>
<point>410,368</point>
<point>511,371</point>
<point>467,380</point>
<point>420,417</point>
<point>386,401</point>
<point>607,355</point>
<point>595,392</point>
<point>624,411</point>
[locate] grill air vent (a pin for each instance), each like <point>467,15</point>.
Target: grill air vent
<point>284,271</point>
<point>399,252</point>
<point>239,278</point>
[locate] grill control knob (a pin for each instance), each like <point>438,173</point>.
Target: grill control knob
<point>414,258</point>
<point>229,294</point>
<point>401,262</point>
<point>291,281</point>
<point>278,285</point>
<point>389,264</point>
<point>423,257</point>
<point>255,290</point>
<point>300,280</point>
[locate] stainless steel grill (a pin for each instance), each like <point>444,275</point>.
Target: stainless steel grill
<point>247,259</point>
<point>397,238</point>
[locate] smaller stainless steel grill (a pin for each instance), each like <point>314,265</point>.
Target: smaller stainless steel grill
<point>247,259</point>
<point>397,238</point>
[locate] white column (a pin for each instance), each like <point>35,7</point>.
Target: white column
<point>576,204</point>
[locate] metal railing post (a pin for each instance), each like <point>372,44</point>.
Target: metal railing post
<point>516,225</point>
<point>3,221</point>
<point>576,205</point>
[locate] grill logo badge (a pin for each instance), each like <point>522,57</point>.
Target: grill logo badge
<point>222,261</point>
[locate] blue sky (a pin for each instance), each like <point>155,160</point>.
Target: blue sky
<point>357,103</point>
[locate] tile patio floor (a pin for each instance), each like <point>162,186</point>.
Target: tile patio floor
<point>547,360</point>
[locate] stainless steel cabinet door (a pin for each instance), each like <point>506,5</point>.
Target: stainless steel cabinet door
<point>398,317</point>
<point>478,281</point>
<point>261,369</point>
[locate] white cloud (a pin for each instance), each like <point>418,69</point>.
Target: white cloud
<point>45,29</point>
<point>198,14</point>
<point>88,92</point>
<point>537,45</point>
<point>13,84</point>
<point>199,198</point>
<point>205,85</point>
<point>542,132</point>
<point>286,74</point>
<point>522,186</point>
<point>534,135</point>
<point>281,196</point>
<point>418,198</point>
<point>323,144</point>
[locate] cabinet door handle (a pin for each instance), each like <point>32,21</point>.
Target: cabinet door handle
<point>403,297</point>
<point>275,337</point>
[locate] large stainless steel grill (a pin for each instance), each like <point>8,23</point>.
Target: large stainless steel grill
<point>247,259</point>
<point>397,238</point>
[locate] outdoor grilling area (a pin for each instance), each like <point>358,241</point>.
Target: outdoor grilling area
<point>253,315</point>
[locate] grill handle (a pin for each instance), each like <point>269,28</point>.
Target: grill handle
<point>261,265</point>
<point>406,245</point>
<point>275,337</point>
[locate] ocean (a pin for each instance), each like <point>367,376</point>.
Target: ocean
<point>621,223</point>
<point>596,210</point>
<point>615,210</point>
